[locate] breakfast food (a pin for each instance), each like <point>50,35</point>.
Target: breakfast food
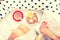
<point>35,18</point>
<point>32,18</point>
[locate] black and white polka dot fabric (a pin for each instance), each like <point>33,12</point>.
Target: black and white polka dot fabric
<point>49,5</point>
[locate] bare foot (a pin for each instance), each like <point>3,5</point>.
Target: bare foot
<point>44,28</point>
<point>20,31</point>
<point>45,31</point>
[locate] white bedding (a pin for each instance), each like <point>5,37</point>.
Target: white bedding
<point>8,24</point>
